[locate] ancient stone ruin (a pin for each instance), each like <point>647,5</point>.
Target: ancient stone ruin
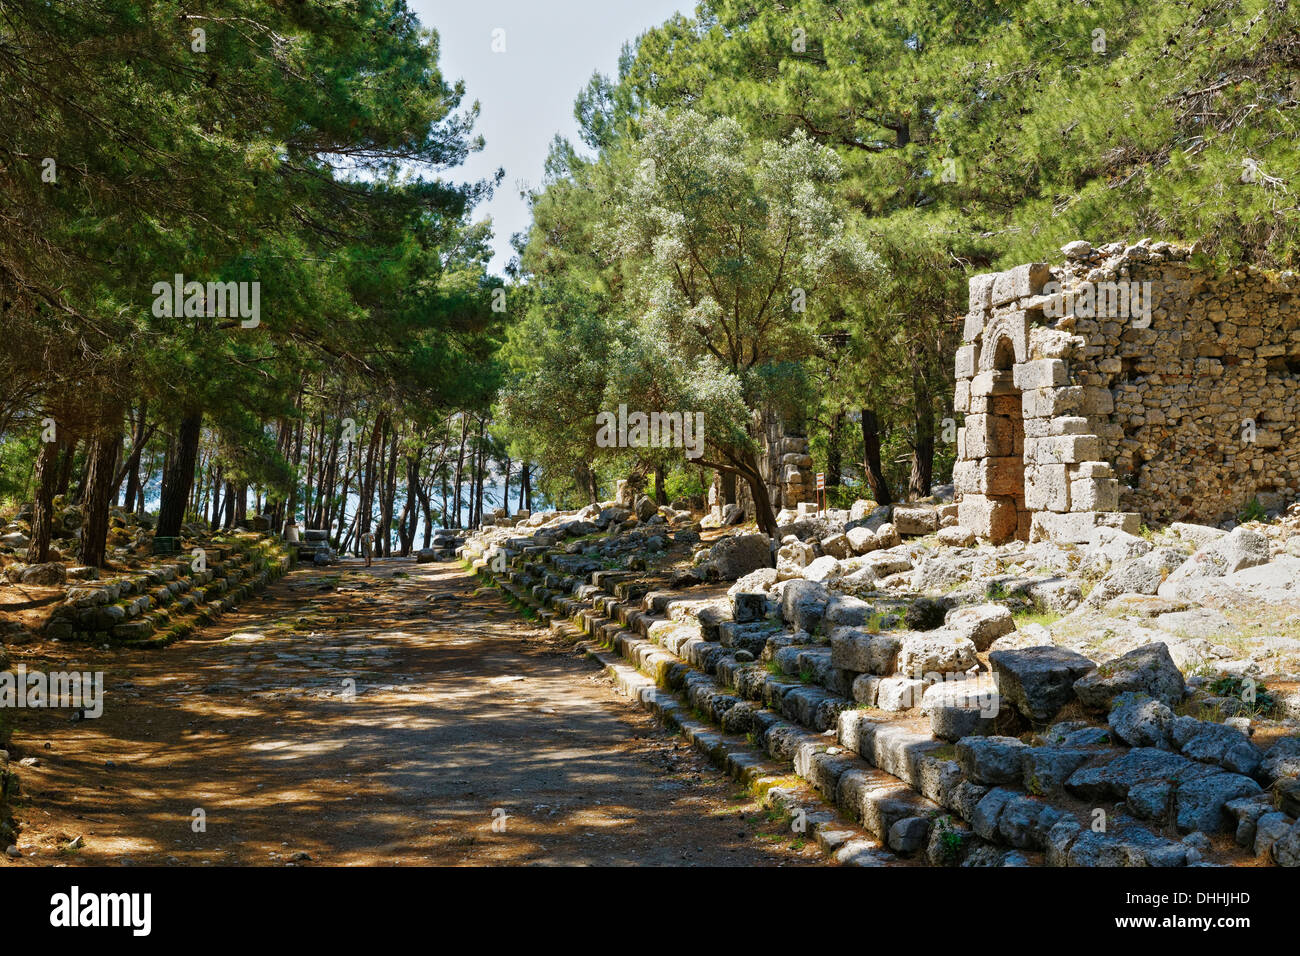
<point>1126,386</point>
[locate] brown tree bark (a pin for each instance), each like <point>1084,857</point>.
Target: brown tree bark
<point>871,466</point>
<point>101,454</point>
<point>46,480</point>
<point>918,485</point>
<point>178,476</point>
<point>834,464</point>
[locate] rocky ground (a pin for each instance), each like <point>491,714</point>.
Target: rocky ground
<point>1150,679</point>
<point>397,715</point>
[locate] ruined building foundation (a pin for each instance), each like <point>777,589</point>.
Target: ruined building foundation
<point>1125,386</point>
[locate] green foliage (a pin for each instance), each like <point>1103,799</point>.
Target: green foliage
<point>1253,511</point>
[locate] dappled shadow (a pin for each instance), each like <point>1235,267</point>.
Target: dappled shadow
<point>351,717</point>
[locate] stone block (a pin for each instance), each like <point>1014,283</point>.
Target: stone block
<point>1095,400</point>
<point>1040,373</point>
<point>989,436</point>
<point>1047,488</point>
<point>991,518</point>
<point>1077,527</point>
<point>1001,476</point>
<point>982,385</point>
<point>981,292</point>
<point>1051,402</point>
<point>961,398</point>
<point>1019,283</point>
<point>1066,449</point>
<point>1094,494</point>
<point>965,365</point>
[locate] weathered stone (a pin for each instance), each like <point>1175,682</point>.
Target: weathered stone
<point>1141,721</point>
<point>981,624</point>
<point>909,834</point>
<point>1147,670</point>
<point>935,652</point>
<point>847,610</point>
<point>747,607</point>
<point>1116,777</point>
<point>1286,795</point>
<point>803,604</point>
<point>991,760</point>
<point>1242,548</point>
<point>915,521</point>
<point>49,574</point>
<point>1214,743</point>
<point>863,652</point>
<point>738,555</point>
<point>1282,759</point>
<point>1045,769</point>
<point>1199,802</point>
<point>1038,680</point>
<point>1269,828</point>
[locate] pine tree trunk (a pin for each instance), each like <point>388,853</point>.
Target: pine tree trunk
<point>871,466</point>
<point>918,485</point>
<point>65,467</point>
<point>228,519</point>
<point>460,465</point>
<point>101,455</point>
<point>138,439</point>
<point>482,466</point>
<point>46,479</point>
<point>834,464</point>
<point>178,477</point>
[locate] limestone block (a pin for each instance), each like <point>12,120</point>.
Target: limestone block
<point>1050,402</point>
<point>961,398</point>
<point>1069,425</point>
<point>1020,282</point>
<point>1096,401</point>
<point>965,366</point>
<point>1093,469</point>
<point>982,385</point>
<point>1047,488</point>
<point>989,436</point>
<point>973,326</point>
<point>966,478</point>
<point>991,518</point>
<point>1001,476</point>
<point>1094,494</point>
<point>1077,527</point>
<point>1066,449</point>
<point>981,291</point>
<point>1041,373</point>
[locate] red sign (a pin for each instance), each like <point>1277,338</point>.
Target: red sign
<point>821,481</point>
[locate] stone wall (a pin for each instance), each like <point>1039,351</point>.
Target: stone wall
<point>1126,385</point>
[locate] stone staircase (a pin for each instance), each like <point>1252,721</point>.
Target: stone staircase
<point>170,600</point>
<point>905,759</point>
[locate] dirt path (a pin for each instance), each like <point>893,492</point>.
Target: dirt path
<point>462,714</point>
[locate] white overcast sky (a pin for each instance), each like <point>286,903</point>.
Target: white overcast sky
<point>526,93</point>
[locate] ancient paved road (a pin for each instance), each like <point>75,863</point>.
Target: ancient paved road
<point>461,714</point>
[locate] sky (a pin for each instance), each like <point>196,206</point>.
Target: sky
<point>526,93</point>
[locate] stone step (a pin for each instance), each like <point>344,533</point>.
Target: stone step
<point>914,762</point>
